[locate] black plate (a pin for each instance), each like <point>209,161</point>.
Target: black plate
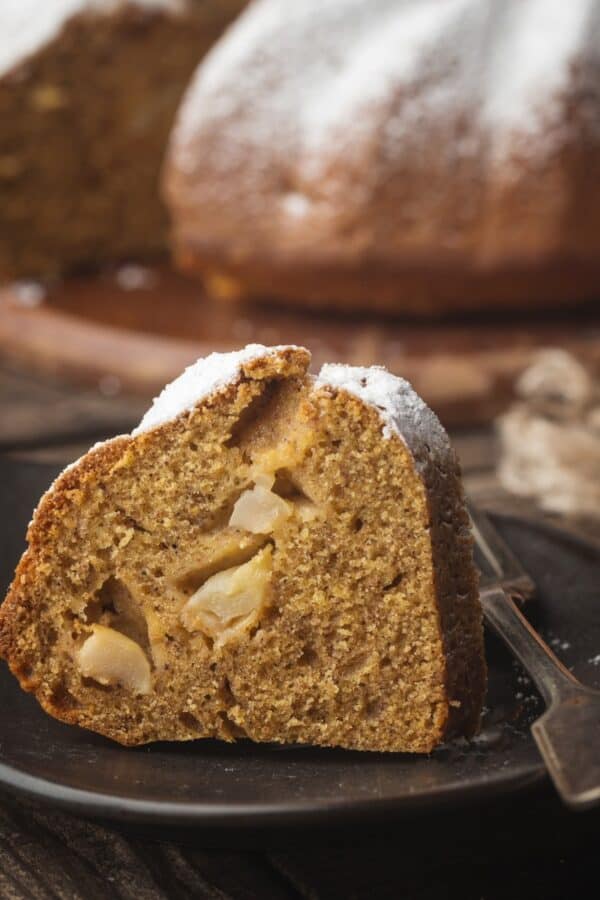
<point>215,784</point>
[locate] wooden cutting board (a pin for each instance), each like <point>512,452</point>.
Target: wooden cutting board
<point>137,328</point>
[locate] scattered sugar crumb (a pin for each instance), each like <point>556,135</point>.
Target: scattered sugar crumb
<point>295,205</point>
<point>133,277</point>
<point>28,293</point>
<point>559,644</point>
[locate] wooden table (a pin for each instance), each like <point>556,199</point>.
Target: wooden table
<point>527,846</point>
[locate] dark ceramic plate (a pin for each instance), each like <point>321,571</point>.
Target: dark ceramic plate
<point>214,784</point>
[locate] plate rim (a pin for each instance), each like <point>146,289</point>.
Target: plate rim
<point>99,805</point>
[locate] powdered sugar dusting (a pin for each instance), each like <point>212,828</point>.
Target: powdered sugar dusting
<point>394,50</point>
<point>200,380</point>
<point>204,377</point>
<point>534,56</point>
<point>319,72</point>
<point>374,385</point>
<point>26,25</point>
<point>403,413</point>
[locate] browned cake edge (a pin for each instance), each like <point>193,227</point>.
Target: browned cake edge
<point>412,287</point>
<point>457,580</point>
<point>456,576</point>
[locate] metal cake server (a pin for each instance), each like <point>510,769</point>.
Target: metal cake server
<point>568,733</point>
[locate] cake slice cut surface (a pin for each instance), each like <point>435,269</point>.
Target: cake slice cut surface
<point>269,555</point>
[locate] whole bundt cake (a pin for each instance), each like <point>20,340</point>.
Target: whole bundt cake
<point>420,156</point>
<point>269,555</point>
<point>88,92</point>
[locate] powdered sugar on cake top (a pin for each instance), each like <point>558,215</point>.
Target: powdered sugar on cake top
<point>403,413</point>
<point>204,377</point>
<point>374,385</point>
<point>308,78</point>
<point>27,25</point>
<point>200,380</point>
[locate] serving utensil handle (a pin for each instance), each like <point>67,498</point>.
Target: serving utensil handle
<point>550,676</point>
<point>568,734</point>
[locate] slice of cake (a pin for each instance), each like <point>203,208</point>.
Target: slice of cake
<point>88,93</point>
<point>269,555</point>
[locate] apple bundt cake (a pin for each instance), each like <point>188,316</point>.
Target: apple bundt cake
<point>423,157</point>
<point>269,555</point>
